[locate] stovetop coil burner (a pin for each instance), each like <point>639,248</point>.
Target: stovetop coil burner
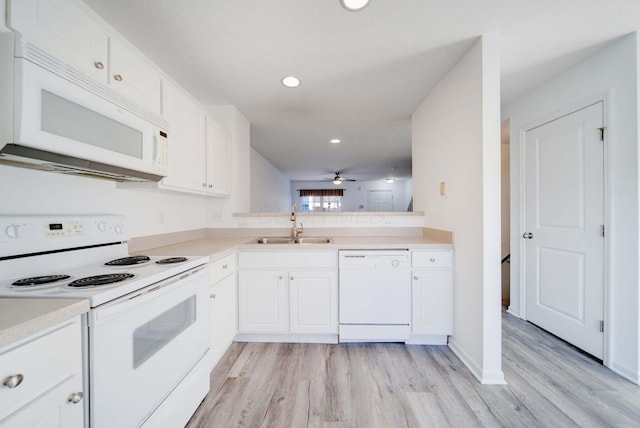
<point>98,280</point>
<point>39,280</point>
<point>128,261</point>
<point>171,260</point>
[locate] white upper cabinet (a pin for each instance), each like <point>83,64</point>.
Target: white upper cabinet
<point>218,159</point>
<point>130,75</point>
<point>186,140</point>
<point>67,31</point>
<point>63,29</point>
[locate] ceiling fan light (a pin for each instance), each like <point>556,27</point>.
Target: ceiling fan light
<point>337,181</point>
<point>390,180</point>
<point>354,5</point>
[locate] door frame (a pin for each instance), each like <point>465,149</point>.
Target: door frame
<point>518,214</point>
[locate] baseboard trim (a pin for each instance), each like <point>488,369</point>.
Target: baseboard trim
<point>629,375</point>
<point>286,338</point>
<point>485,377</point>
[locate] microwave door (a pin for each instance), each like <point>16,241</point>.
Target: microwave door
<point>56,115</point>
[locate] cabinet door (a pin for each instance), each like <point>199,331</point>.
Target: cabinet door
<point>65,30</point>
<point>432,302</point>
<point>135,79</point>
<point>53,409</point>
<point>224,315</point>
<point>186,141</point>
<point>218,159</point>
<point>263,302</point>
<point>314,301</point>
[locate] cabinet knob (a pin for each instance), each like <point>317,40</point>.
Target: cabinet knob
<point>13,381</point>
<point>224,266</point>
<point>213,295</point>
<point>432,259</point>
<point>280,277</point>
<point>117,77</point>
<point>98,65</point>
<point>416,277</point>
<point>210,186</point>
<point>75,397</point>
<point>291,278</point>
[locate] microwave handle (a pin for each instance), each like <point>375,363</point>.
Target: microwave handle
<point>155,148</point>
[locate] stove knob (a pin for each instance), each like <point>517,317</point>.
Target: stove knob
<point>395,263</point>
<point>13,231</point>
<point>119,229</point>
<point>102,226</point>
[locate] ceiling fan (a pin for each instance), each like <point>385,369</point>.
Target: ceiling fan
<point>337,180</point>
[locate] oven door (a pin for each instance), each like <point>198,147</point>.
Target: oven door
<point>142,346</point>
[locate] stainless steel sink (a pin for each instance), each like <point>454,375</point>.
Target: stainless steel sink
<point>283,240</point>
<point>312,240</point>
<point>274,240</point>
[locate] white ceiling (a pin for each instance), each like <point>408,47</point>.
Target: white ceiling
<point>362,73</point>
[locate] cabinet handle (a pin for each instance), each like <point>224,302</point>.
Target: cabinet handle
<point>204,184</point>
<point>280,277</point>
<point>213,295</point>
<point>117,77</point>
<point>432,259</point>
<point>210,186</point>
<point>416,277</point>
<point>291,278</point>
<point>75,397</point>
<point>13,381</point>
<point>224,266</point>
<point>98,65</point>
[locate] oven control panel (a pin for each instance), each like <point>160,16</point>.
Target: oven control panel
<point>26,234</point>
<point>63,229</point>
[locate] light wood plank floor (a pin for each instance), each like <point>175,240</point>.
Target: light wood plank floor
<point>550,384</point>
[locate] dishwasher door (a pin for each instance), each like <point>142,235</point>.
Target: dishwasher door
<point>375,296</point>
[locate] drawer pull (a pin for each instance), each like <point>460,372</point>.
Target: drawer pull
<point>432,259</point>
<point>75,397</point>
<point>117,77</point>
<point>213,295</point>
<point>98,65</point>
<point>416,277</point>
<point>13,381</point>
<point>224,266</point>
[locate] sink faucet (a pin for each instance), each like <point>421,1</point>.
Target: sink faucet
<point>295,232</point>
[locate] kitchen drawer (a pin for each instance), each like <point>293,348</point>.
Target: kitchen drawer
<point>288,259</point>
<point>432,259</point>
<point>222,267</point>
<point>43,363</point>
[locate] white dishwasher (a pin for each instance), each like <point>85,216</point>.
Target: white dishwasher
<point>375,295</point>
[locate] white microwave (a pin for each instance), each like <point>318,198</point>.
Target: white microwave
<point>64,121</point>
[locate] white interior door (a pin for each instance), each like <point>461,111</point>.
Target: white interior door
<point>380,200</point>
<point>564,187</point>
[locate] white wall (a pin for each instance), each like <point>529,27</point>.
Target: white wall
<point>356,193</point>
<point>505,206</point>
<point>270,189</point>
<point>610,75</point>
<point>148,212</point>
<point>456,140</point>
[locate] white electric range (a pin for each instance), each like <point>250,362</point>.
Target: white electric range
<point>147,333</point>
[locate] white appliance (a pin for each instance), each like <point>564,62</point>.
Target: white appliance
<point>147,331</point>
<point>57,119</point>
<point>375,295</point>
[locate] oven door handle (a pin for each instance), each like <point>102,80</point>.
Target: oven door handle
<point>108,310</point>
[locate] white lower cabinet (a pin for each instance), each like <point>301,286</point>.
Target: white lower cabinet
<point>432,292</point>
<point>298,297</point>
<point>224,306</point>
<point>41,380</point>
<point>313,301</point>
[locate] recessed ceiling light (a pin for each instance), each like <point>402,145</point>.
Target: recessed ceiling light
<point>334,141</point>
<point>290,82</point>
<point>389,180</point>
<point>354,5</point>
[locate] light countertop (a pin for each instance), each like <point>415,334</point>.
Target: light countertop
<point>216,247</point>
<point>20,318</point>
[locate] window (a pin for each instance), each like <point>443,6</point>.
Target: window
<point>317,200</point>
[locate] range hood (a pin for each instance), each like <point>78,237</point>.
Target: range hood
<point>27,157</point>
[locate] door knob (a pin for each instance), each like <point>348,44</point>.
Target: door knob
<point>527,235</point>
